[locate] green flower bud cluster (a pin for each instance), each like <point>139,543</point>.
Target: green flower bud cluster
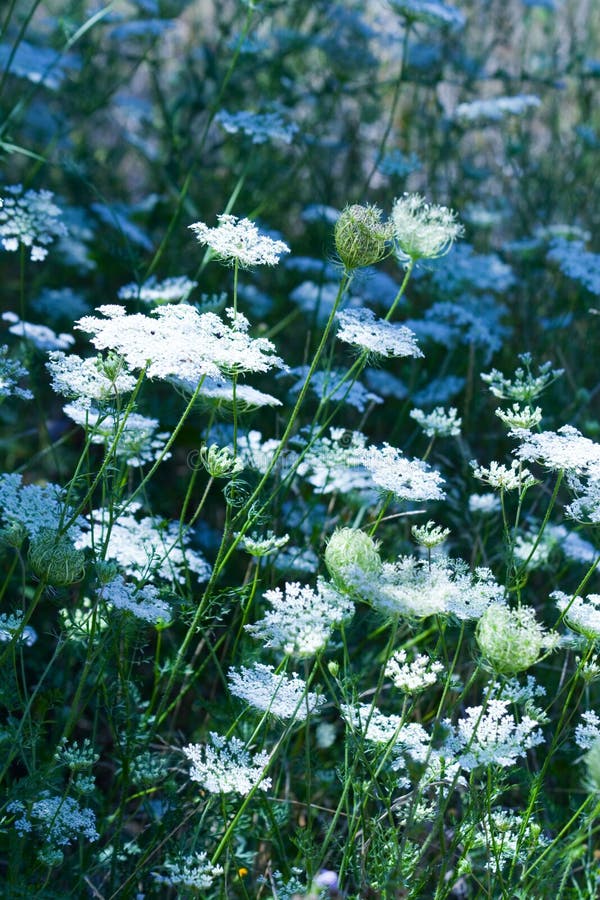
<point>361,238</point>
<point>350,550</point>
<point>512,640</point>
<point>55,560</point>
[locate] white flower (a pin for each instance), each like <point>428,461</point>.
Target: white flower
<point>171,290</point>
<point>29,218</point>
<point>566,450</point>
<point>138,443</point>
<point>144,603</point>
<point>524,386</point>
<point>588,732</point>
<point>279,695</point>
<point>195,872</point>
<point>176,341</point>
<point>240,239</point>
<point>406,479</point>
<point>416,588</point>
<point>301,620</point>
<point>518,419</point>
<point>361,328</point>
<point>421,230</point>
<point>586,507</point>
<point>496,108</point>
<point>580,613</point>
<point>261,127</point>
<point>90,380</point>
<point>40,335</point>
<point>414,676</point>
<point>259,546</point>
<point>492,736</point>
<point>505,479</point>
<point>227,767</point>
<point>485,504</point>
<point>439,423</point>
<point>148,549</point>
<point>11,371</point>
<point>34,507</point>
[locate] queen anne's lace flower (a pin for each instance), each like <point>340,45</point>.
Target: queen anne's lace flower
<point>517,477</point>
<point>567,450</point>
<point>195,872</point>
<point>439,422</point>
<point>492,736</point>
<point>139,442</point>
<point>89,380</point>
<point>421,230</point>
<point>301,620</point>
<point>11,372</point>
<point>261,127</point>
<point>40,335</point>
<point>412,676</point>
<point>144,603</point>
<point>227,767</point>
<point>176,341</point>
<point>361,328</point>
<point>240,239</point>
<point>33,507</point>
<point>279,695</point>
<point>149,549</point>
<point>171,290</point>
<point>406,479</point>
<point>29,219</point>
<point>580,613</point>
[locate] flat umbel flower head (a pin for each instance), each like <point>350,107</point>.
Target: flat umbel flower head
<point>262,688</point>
<point>30,219</point>
<point>239,240</point>
<point>362,329</point>
<point>406,479</point>
<point>227,767</point>
<point>423,230</point>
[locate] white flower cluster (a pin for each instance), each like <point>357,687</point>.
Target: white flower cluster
<point>39,335</point>
<point>496,108</point>
<point>144,603</point>
<point>240,240</point>
<point>518,419</point>
<point>301,619</point>
<point>524,386</point>
<point>439,422</point>
<point>580,613</point>
<point>147,549</point>
<point>412,676</point>
<point>59,819</point>
<point>227,767</point>
<point>586,506</point>
<point>138,444</point>
<point>555,539</point>
<point>361,328</point>
<point>170,290</point>
<point>484,504</point>
<point>588,731</point>
<point>223,392</point>
<point>330,465</point>
<point>416,589</point>
<point>265,545</point>
<point>423,230</point>
<point>504,838</point>
<point>176,341</point>
<point>492,736</point>
<point>563,450</point>
<point>195,872</point>
<point>406,479</point>
<point>12,624</point>
<point>89,380</point>
<point>11,371</point>
<point>499,476</point>
<point>29,219</point>
<point>33,507</point>
<point>262,688</point>
<point>381,729</point>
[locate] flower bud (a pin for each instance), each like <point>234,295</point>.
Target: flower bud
<point>360,236</point>
<point>512,640</point>
<point>349,554</point>
<point>55,560</point>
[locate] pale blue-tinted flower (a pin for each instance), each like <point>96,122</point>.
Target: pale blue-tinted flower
<point>11,372</point>
<point>260,126</point>
<point>431,12</point>
<point>29,219</point>
<point>577,263</point>
<point>170,290</point>
<point>496,108</point>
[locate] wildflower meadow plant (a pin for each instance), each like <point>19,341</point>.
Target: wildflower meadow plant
<point>300,482</point>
